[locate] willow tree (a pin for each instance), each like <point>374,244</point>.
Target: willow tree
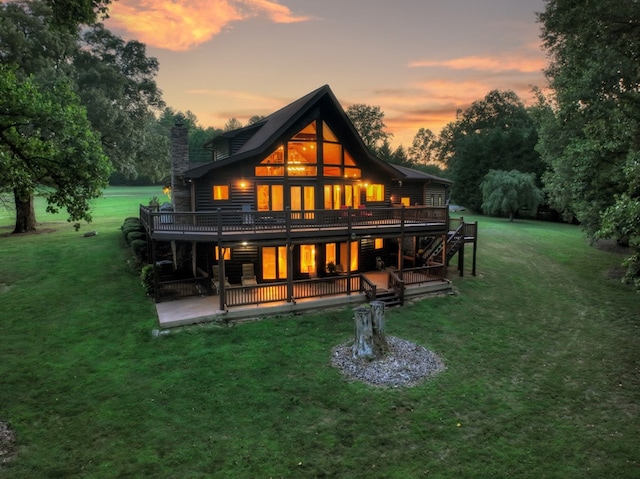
<point>508,192</point>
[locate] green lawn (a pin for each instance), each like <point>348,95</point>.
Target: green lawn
<point>541,349</point>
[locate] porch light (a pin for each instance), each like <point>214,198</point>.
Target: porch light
<point>244,243</point>
<point>243,184</point>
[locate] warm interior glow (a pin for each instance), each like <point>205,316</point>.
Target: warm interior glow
<point>270,197</point>
<point>274,262</point>
<point>375,192</point>
<point>220,192</point>
<point>307,258</point>
<point>226,256</point>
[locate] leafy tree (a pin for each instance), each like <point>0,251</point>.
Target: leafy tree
<point>423,149</point>
<point>114,79</point>
<point>46,139</point>
<point>496,132</point>
<point>507,192</point>
<point>369,123</point>
<point>591,138</point>
<point>198,135</point>
<point>232,124</point>
<point>255,119</point>
<point>71,13</point>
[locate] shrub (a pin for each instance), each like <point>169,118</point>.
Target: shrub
<point>146,277</point>
<point>133,235</point>
<point>139,248</point>
<point>131,225</point>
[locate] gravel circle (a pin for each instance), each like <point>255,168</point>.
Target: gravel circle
<point>406,364</point>
<point>7,444</point>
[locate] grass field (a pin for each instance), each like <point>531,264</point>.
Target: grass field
<point>541,350</point>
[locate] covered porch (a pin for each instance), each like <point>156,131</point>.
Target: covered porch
<point>256,301</point>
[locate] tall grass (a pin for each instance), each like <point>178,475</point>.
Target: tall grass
<point>541,350</point>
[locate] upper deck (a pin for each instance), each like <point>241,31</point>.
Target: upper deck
<point>229,227</point>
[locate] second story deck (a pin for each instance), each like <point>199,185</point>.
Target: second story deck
<point>231,226</point>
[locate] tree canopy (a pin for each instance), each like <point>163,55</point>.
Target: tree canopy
<point>113,79</point>
<point>496,132</point>
<point>508,192</point>
<point>369,123</point>
<point>590,129</point>
<point>46,139</point>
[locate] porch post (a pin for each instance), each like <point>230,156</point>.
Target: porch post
<point>290,297</point>
<point>222,290</point>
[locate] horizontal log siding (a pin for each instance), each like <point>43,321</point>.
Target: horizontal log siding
<point>435,195</point>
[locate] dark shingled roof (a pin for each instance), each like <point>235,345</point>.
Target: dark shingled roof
<point>262,135</point>
<point>411,174</point>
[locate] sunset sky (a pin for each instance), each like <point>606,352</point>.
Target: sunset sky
<point>418,60</point>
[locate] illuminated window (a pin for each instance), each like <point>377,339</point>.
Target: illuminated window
<point>274,262</point>
<point>352,173</point>
<point>405,200</point>
<point>269,170</point>
<point>330,253</point>
<point>378,243</point>
<point>332,154</point>
<point>272,165</point>
<point>270,197</point>
<point>332,171</point>
<point>375,192</point>
<point>327,134</point>
<point>332,197</point>
<point>220,192</point>
<point>348,160</point>
<point>353,245</point>
<point>307,258</point>
<point>227,253</point>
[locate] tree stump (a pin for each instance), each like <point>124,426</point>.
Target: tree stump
<point>370,342</point>
<point>380,345</point>
<point>363,344</point>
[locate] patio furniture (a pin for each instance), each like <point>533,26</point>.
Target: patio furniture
<point>216,279</point>
<point>248,275</point>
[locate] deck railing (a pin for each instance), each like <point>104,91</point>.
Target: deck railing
<point>302,289</point>
<point>224,221</point>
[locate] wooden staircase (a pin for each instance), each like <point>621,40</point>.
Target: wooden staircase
<point>455,241</point>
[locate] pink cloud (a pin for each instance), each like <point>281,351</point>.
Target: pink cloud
<point>179,25</point>
<point>498,64</point>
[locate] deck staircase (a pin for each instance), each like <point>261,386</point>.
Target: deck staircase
<point>455,240</point>
<point>389,297</point>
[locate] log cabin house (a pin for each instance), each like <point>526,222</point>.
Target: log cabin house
<point>295,207</point>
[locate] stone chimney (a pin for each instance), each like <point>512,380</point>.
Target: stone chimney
<point>180,190</point>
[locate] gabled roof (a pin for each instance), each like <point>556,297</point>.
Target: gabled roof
<point>263,135</point>
<point>411,174</point>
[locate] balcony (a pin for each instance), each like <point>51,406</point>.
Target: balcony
<point>231,226</point>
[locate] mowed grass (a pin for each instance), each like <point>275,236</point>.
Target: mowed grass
<point>541,349</point>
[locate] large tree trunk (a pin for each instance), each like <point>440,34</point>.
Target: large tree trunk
<point>25,214</point>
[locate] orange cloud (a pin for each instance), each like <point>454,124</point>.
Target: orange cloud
<point>179,25</point>
<point>487,63</point>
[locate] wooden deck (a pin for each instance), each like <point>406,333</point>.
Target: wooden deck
<point>202,309</point>
<point>230,226</point>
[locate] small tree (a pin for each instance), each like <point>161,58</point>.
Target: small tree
<point>506,192</point>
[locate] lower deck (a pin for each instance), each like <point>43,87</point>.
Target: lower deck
<point>206,308</point>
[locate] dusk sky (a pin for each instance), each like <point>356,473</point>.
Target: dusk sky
<point>418,60</point>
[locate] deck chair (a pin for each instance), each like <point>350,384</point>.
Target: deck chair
<point>216,279</point>
<point>248,275</point>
